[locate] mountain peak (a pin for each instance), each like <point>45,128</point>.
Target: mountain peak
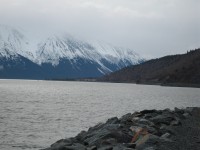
<point>56,48</point>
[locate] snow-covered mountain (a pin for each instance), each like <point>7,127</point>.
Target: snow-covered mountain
<point>59,56</point>
<point>13,43</point>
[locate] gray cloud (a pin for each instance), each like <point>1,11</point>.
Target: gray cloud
<point>153,28</point>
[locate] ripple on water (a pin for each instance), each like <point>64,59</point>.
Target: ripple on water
<point>35,114</point>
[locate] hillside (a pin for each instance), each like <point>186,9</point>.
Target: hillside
<point>178,70</point>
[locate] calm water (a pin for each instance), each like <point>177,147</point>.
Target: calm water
<point>35,114</point>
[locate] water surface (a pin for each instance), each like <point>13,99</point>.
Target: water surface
<point>35,114</point>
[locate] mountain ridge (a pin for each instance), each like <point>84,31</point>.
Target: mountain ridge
<point>62,52</point>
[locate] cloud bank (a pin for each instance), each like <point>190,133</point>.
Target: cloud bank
<point>153,28</point>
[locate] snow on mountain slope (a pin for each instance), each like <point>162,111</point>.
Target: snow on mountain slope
<point>13,43</point>
<point>56,48</point>
<point>116,54</point>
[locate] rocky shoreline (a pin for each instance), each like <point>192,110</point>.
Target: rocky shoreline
<point>177,129</point>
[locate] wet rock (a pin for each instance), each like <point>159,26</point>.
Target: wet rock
<point>59,145</point>
<point>179,111</point>
<point>81,135</point>
<point>137,114</point>
<point>186,115</point>
<point>189,110</point>
<point>162,119</point>
<point>95,138</point>
<point>97,134</point>
<point>112,126</point>
<point>106,148</point>
<point>145,122</point>
<point>98,137</point>
<point>135,119</point>
<point>163,126</point>
<point>92,148</point>
<point>150,115</point>
<point>123,146</point>
<point>151,130</point>
<point>130,145</point>
<point>166,135</point>
<point>166,129</point>
<point>75,146</point>
<point>97,127</point>
<point>175,122</point>
<point>110,141</point>
<point>126,119</point>
<point>148,111</point>
<point>149,148</point>
<point>113,120</point>
<point>166,110</point>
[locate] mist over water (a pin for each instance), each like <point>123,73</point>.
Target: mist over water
<point>35,114</point>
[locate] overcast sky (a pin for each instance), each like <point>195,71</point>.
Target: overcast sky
<point>153,28</point>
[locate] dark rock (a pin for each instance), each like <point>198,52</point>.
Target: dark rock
<point>186,115</point>
<point>189,110</point>
<point>110,141</point>
<point>130,145</point>
<point>175,123</point>
<point>98,133</point>
<point>81,135</point>
<point>122,147</point>
<point>149,148</point>
<point>112,126</point>
<point>92,148</point>
<point>148,111</point>
<point>120,136</point>
<point>166,135</point>
<point>135,119</point>
<point>106,148</point>
<point>164,129</point>
<point>98,137</point>
<point>126,119</point>
<point>179,111</point>
<point>162,119</point>
<point>75,146</point>
<point>95,138</point>
<point>113,120</point>
<point>151,130</point>
<point>137,114</point>
<point>59,145</point>
<point>166,110</point>
<point>145,122</point>
<point>97,127</point>
<point>150,115</point>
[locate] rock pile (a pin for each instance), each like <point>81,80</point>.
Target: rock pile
<point>145,130</point>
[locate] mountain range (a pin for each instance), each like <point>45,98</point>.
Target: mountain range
<point>24,55</point>
<point>174,70</point>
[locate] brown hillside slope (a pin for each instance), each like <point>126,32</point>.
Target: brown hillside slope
<point>176,69</point>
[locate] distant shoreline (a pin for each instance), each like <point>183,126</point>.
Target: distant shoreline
<point>98,81</point>
<point>145,83</point>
